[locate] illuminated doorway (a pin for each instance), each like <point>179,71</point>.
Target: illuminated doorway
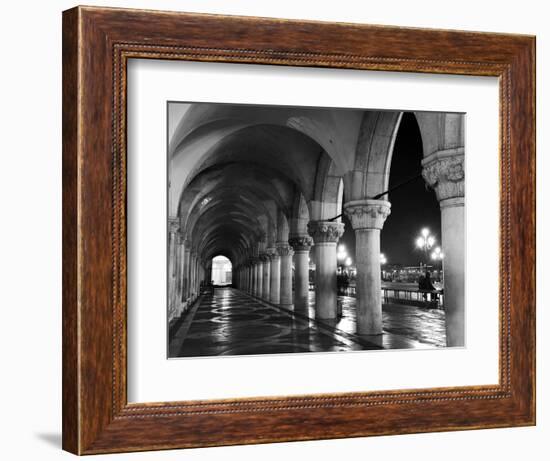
<point>221,271</point>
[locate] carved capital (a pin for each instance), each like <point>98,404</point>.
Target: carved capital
<point>367,214</point>
<point>284,249</point>
<point>301,242</point>
<point>264,257</point>
<point>272,253</point>
<point>173,225</point>
<point>325,231</point>
<point>443,171</point>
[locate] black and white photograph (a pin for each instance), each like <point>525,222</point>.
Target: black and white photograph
<point>312,229</point>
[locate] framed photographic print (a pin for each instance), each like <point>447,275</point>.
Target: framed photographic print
<point>279,230</point>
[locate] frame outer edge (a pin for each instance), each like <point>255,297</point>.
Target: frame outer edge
<point>90,421</point>
<point>70,178</point>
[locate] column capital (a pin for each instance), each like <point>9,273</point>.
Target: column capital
<point>271,252</point>
<point>264,257</point>
<point>443,171</point>
<point>325,231</point>
<point>284,249</point>
<point>368,213</point>
<point>173,225</point>
<point>301,242</point>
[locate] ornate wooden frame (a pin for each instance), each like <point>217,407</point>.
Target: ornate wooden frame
<point>97,42</point>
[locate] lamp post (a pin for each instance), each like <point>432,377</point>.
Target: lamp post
<point>341,255</point>
<point>383,261</point>
<point>425,241</point>
<point>437,255</point>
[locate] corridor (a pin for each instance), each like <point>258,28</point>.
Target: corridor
<point>274,191</point>
<point>230,322</point>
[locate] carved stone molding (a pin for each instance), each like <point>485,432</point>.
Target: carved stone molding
<point>444,172</point>
<point>173,225</point>
<point>368,213</point>
<point>325,231</point>
<point>272,253</point>
<point>251,261</point>
<point>284,249</point>
<point>301,242</point>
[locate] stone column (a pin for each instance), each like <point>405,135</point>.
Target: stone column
<point>265,276</point>
<point>193,275</point>
<point>274,276</point>
<point>186,252</point>
<point>173,235</point>
<point>285,252</point>
<point>252,270</point>
<point>301,245</point>
<point>367,218</point>
<point>444,172</point>
<point>260,277</point>
<point>253,273</point>
<point>180,274</point>
<point>325,235</point>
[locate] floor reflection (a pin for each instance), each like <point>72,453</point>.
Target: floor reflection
<point>230,322</point>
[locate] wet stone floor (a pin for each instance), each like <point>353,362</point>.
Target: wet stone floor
<point>230,322</point>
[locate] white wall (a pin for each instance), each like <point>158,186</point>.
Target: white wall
<point>30,243</point>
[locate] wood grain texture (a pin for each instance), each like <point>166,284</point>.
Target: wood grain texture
<point>97,42</point>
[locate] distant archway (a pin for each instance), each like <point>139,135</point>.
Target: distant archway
<point>221,270</point>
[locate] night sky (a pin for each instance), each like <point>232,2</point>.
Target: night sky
<point>413,206</point>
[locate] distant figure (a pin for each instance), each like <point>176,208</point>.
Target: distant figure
<point>425,284</point>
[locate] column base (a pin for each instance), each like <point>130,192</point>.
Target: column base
<point>289,307</point>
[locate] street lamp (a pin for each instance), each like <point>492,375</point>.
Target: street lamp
<point>341,254</point>
<point>437,254</point>
<point>425,241</point>
<point>383,261</point>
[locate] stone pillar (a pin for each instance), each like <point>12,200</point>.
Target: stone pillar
<point>193,275</point>
<point>260,277</point>
<point>252,277</point>
<point>185,291</point>
<point>254,273</point>
<point>444,172</point>
<point>285,252</point>
<point>180,274</point>
<point>173,236</point>
<point>274,276</point>
<point>301,245</point>
<point>367,218</point>
<point>325,235</point>
<point>265,276</point>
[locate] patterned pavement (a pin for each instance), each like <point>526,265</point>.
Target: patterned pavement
<point>233,323</point>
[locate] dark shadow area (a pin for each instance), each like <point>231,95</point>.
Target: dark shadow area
<point>51,438</point>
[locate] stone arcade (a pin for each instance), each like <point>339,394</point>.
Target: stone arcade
<point>264,187</point>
